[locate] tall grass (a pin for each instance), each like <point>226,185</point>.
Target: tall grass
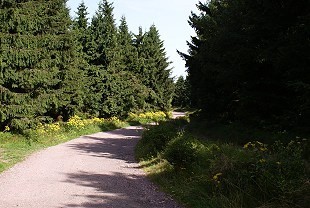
<point>202,172</point>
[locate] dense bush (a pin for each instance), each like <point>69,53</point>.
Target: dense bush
<point>148,117</point>
<point>183,151</point>
<point>156,138</point>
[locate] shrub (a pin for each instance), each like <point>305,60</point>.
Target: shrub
<point>148,117</point>
<point>155,139</point>
<point>183,151</point>
<point>271,177</point>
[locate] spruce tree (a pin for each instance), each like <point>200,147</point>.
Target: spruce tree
<point>248,62</point>
<point>132,92</point>
<point>39,77</point>
<point>129,53</point>
<point>182,93</point>
<point>105,60</point>
<point>104,46</point>
<point>154,68</point>
<point>80,26</point>
<point>82,37</point>
<point>81,21</point>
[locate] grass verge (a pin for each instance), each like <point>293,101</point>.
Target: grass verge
<point>220,171</point>
<point>15,148</point>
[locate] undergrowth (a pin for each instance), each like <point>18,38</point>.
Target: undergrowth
<point>223,172</point>
<point>148,117</point>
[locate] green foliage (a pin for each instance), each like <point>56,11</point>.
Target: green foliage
<point>212,173</point>
<point>183,151</point>
<point>248,62</point>
<point>52,68</point>
<point>148,117</point>
<point>182,93</point>
<point>39,66</point>
<point>116,82</point>
<point>156,138</point>
<point>81,21</point>
<point>153,69</point>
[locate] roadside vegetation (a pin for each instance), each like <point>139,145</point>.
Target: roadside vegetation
<point>15,147</point>
<point>216,171</point>
<point>247,145</point>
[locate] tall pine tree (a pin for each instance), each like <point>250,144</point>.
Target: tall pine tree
<point>129,53</point>
<point>80,26</point>
<point>154,69</point>
<point>248,61</point>
<point>39,75</point>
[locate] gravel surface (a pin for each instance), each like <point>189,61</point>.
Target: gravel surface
<point>178,114</point>
<point>97,170</point>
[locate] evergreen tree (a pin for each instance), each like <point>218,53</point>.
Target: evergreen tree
<point>80,26</point>
<point>81,21</point>
<point>154,71</point>
<point>104,47</point>
<point>39,74</point>
<point>248,61</point>
<point>82,37</point>
<point>182,93</point>
<point>116,90</point>
<point>102,52</point>
<point>128,53</point>
<point>132,92</point>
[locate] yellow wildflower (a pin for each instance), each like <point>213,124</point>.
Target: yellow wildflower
<point>247,145</point>
<point>263,149</point>
<point>216,176</point>
<point>6,129</point>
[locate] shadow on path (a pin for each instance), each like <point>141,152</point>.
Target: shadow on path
<point>118,191</point>
<point>118,144</point>
<point>127,188</point>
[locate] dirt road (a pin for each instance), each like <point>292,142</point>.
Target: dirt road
<point>97,171</point>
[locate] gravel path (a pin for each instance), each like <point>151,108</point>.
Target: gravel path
<point>98,171</point>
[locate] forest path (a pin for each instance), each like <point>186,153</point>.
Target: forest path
<point>97,170</point>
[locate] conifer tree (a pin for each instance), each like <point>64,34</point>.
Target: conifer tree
<point>39,77</point>
<point>105,61</point>
<point>129,53</point>
<point>103,29</point>
<point>182,93</point>
<point>80,26</point>
<point>81,21</point>
<point>248,62</point>
<point>82,37</point>
<point>154,68</point>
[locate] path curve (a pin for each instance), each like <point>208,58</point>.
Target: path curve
<point>94,171</point>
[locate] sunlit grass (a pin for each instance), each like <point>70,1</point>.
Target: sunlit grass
<point>15,148</point>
